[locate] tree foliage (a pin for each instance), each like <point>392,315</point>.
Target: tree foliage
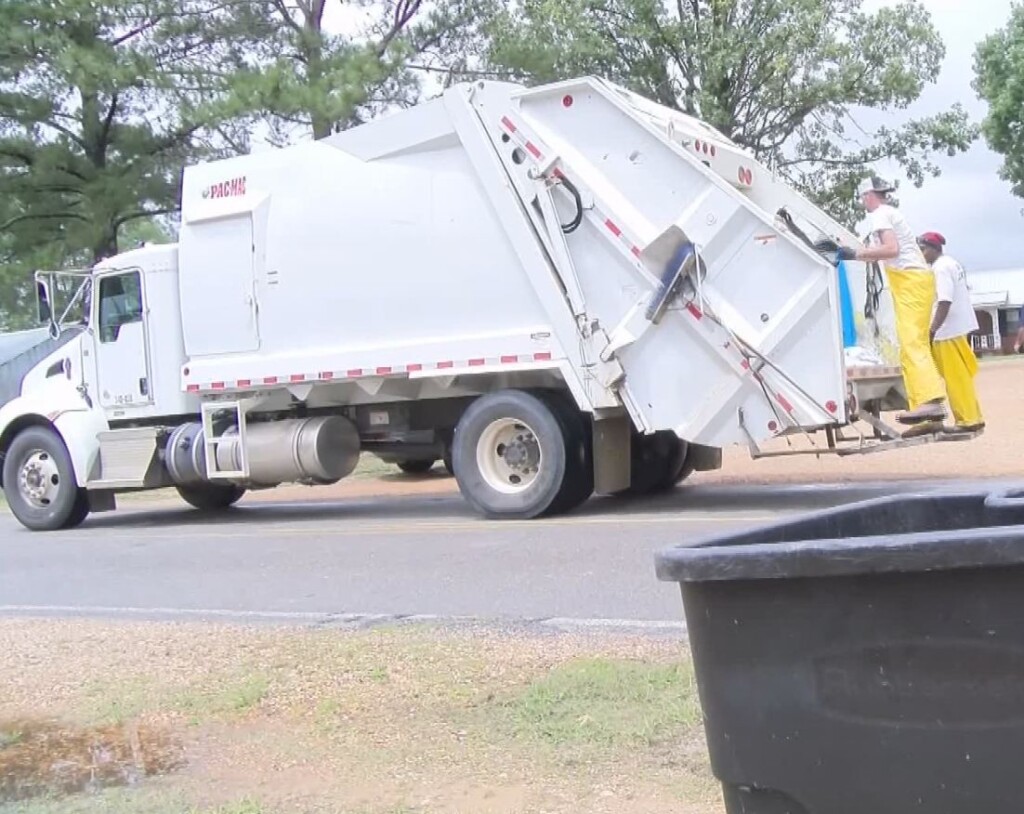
<point>302,77</point>
<point>999,80</point>
<point>101,103</point>
<point>783,78</point>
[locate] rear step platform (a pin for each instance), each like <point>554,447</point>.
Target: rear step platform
<point>884,439</point>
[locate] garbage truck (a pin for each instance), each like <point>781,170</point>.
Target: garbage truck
<point>559,291</point>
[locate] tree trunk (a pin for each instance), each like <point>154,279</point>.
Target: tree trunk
<point>105,245</point>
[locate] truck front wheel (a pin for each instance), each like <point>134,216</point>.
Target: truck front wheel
<point>509,455</point>
<point>211,497</point>
<point>39,482</point>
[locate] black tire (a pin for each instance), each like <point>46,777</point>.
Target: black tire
<point>81,510</point>
<point>578,485</point>
<point>549,436</point>
<point>681,468</point>
<point>211,497</point>
<point>416,467</point>
<point>67,506</point>
<point>655,463</point>
<point>686,469</point>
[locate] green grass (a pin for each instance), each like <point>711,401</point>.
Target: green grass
<point>125,801</point>
<point>606,703</point>
<point>116,702</point>
<point>152,801</point>
<point>122,701</point>
<point>223,697</point>
<point>10,737</point>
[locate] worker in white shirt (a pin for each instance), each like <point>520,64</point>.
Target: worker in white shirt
<point>891,242</point>
<point>953,321</point>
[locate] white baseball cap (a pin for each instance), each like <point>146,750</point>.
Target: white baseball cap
<point>874,184</point>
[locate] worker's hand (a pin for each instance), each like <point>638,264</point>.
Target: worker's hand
<point>846,253</point>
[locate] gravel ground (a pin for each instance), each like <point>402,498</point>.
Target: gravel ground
<point>410,719</point>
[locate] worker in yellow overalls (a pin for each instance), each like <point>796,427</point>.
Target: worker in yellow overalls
<point>953,322</point>
<point>912,283</point>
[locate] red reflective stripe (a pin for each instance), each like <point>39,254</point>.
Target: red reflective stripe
<point>505,120</point>
<point>693,309</point>
<point>507,359</point>
<point>636,250</point>
<point>192,388</point>
<point>533,149</point>
<point>558,173</point>
<point>615,230</point>
<point>784,402</point>
<point>745,364</point>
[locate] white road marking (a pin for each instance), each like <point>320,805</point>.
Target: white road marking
<point>356,528</point>
<point>339,619</point>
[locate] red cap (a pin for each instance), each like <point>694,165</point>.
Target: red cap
<point>937,240</point>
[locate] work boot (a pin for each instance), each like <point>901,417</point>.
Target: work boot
<point>923,428</point>
<point>965,429</point>
<point>930,411</point>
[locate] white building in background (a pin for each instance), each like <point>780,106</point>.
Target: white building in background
<point>997,297</point>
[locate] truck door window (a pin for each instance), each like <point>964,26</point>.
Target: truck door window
<point>120,304</point>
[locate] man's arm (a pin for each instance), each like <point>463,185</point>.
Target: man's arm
<point>941,312</point>
<point>888,249</point>
<point>944,291</point>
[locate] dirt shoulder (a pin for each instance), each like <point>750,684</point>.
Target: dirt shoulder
<point>409,719</point>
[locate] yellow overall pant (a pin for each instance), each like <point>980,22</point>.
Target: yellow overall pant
<point>913,296</point>
<point>958,366</point>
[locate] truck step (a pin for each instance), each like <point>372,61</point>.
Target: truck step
<point>920,435</point>
<point>128,460</point>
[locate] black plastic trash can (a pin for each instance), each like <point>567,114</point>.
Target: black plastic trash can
<point>864,660</point>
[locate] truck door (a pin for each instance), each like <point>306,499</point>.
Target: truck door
<point>122,350</point>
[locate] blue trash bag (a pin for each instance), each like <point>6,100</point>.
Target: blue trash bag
<point>846,308</point>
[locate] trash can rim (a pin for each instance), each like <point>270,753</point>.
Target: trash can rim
<point>720,558</point>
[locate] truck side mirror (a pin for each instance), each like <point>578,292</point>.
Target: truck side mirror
<point>43,301</point>
<point>45,308</point>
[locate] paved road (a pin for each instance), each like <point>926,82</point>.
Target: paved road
<point>357,561</point>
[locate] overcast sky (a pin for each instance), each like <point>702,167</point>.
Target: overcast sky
<point>969,204</point>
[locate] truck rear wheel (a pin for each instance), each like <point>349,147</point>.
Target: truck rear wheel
<point>578,484</point>
<point>39,482</point>
<point>657,463</point>
<point>510,456</point>
<point>211,497</point>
